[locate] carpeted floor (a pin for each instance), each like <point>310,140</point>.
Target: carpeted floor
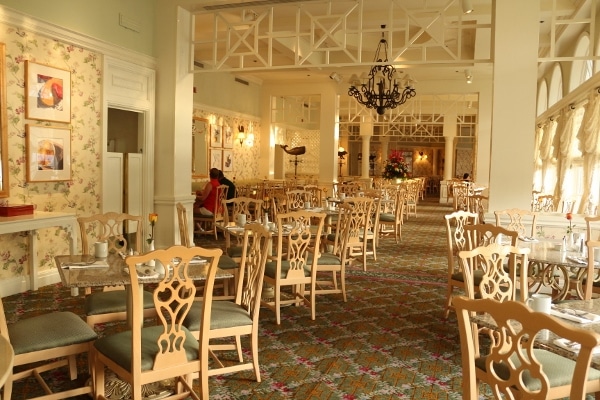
<point>389,341</point>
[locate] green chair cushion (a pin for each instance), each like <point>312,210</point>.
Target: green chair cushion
<point>387,217</point>
<point>118,347</point>
<point>326,259</point>
<point>477,277</point>
<point>558,369</point>
<point>235,251</point>
<point>224,314</point>
<point>228,263</point>
<point>47,331</point>
<point>330,237</point>
<point>111,302</point>
<point>271,269</point>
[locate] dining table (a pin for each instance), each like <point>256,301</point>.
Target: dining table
<point>555,267</point>
<point>90,271</point>
<point>584,314</point>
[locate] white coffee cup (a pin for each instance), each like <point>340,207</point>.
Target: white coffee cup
<point>540,302</point>
<point>241,220</point>
<point>306,205</point>
<point>101,249</point>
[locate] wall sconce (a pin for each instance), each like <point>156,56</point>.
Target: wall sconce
<point>422,156</point>
<point>241,136</point>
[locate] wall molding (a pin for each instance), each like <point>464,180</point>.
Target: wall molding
<point>223,111</point>
<point>31,23</point>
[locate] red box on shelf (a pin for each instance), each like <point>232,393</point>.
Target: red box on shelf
<point>14,210</point>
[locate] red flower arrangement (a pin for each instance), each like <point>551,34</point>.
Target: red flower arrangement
<point>395,166</point>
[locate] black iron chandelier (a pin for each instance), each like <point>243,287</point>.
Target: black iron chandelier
<point>382,90</point>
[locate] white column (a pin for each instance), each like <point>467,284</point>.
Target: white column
<point>174,109</point>
<point>514,84</point>
<point>366,132</point>
<point>449,158</point>
<point>385,144</point>
<point>450,118</point>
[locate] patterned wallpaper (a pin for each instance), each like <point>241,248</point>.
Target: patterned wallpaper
<point>79,195</point>
<point>245,158</point>
<point>464,162</point>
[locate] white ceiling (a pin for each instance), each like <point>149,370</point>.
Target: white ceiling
<point>272,41</point>
<point>427,23</point>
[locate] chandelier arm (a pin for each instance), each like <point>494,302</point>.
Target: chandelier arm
<point>381,91</point>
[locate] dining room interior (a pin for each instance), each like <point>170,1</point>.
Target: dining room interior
<point>390,138</point>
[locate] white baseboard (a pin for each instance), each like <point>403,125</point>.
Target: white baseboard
<point>19,284</point>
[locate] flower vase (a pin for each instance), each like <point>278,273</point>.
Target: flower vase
<point>151,248</point>
<point>570,240</point>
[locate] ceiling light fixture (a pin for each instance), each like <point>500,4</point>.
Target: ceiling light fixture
<point>382,89</point>
<point>469,76</point>
<point>336,77</point>
<point>467,6</point>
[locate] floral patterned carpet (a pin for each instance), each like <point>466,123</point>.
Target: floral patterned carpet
<point>389,341</point>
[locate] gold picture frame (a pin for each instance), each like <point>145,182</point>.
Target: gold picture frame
<point>48,153</point>
<point>47,93</point>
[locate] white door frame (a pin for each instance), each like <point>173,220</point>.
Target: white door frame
<point>130,87</point>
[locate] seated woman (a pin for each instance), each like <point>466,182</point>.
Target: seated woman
<point>205,198</point>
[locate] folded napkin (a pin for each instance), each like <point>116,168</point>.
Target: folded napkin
<point>316,209</point>
<point>572,346</point>
<point>143,271</point>
<point>583,317</point>
<point>235,228</point>
<point>87,264</point>
<point>527,239</point>
<point>578,260</point>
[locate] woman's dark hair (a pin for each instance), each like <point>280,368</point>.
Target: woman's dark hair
<point>214,173</point>
<point>466,175</point>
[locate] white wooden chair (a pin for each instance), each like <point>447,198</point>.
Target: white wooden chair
<point>297,243</point>
<point>167,350</point>
<point>515,367</point>
<point>239,317</point>
<point>44,343</point>
<point>122,232</point>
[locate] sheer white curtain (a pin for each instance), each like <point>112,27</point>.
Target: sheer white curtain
<point>588,144</point>
<point>537,162</point>
<point>562,142</point>
<point>546,153</point>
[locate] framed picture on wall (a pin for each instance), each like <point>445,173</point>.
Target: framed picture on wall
<point>216,136</point>
<point>216,158</point>
<point>48,153</point>
<point>227,161</point>
<point>47,93</point>
<point>227,137</point>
